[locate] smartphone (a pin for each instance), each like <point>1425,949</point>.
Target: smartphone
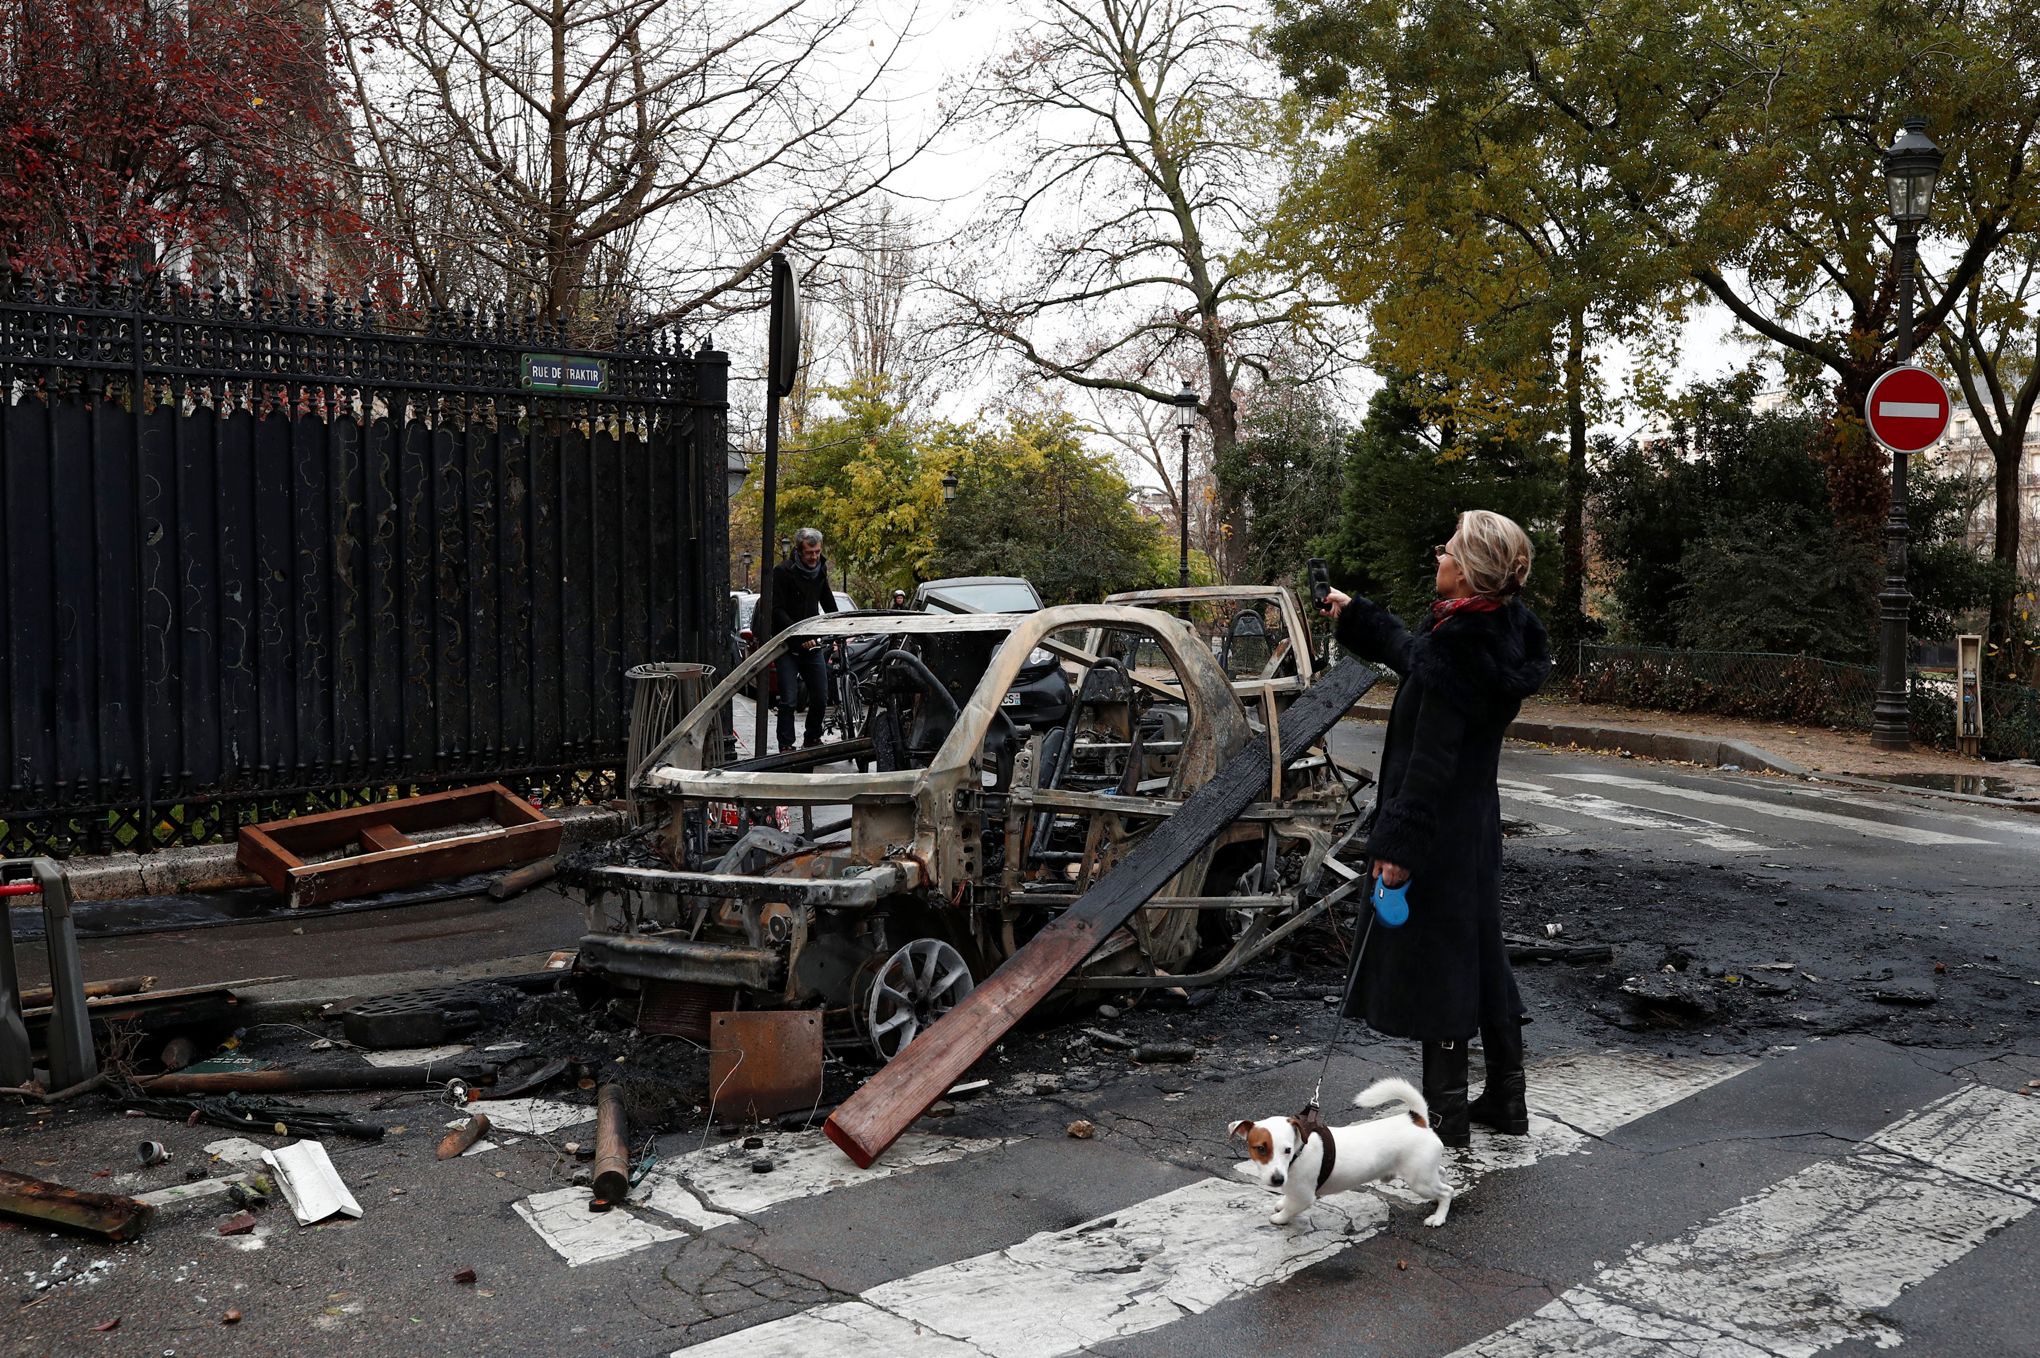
<point>1320,582</point>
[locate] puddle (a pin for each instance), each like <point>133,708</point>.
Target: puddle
<point>1970,784</point>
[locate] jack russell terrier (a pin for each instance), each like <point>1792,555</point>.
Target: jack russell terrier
<point>1306,1159</point>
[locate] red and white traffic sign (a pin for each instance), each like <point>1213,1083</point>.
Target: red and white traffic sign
<point>1908,409</point>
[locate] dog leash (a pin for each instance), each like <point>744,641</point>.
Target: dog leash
<point>1339,1015</point>
<point>1391,906</point>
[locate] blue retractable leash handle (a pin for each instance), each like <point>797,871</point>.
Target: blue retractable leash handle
<point>1391,903</point>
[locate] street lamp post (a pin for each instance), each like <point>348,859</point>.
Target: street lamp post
<point>747,570</point>
<point>1186,416</point>
<point>1911,166</point>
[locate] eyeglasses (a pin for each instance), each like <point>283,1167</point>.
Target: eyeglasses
<point>1442,550</point>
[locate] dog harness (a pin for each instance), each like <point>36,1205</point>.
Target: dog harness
<point>1312,1123</point>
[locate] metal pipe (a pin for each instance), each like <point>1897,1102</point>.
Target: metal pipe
<point>301,1081</point>
<point>612,1148</point>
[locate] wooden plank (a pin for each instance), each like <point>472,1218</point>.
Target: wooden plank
<point>329,830</point>
<point>366,874</point>
<point>264,857</point>
<point>872,1118</point>
<point>382,838</point>
<point>392,858</point>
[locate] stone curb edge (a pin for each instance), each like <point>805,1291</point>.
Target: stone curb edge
<point>1710,750</point>
<point>1707,750</point>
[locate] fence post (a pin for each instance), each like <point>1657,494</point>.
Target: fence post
<point>144,753</point>
<point>711,464</point>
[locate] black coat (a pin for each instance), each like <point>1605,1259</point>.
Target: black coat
<point>1444,972</point>
<point>798,596</point>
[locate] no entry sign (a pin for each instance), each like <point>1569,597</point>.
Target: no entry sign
<point>1908,409</point>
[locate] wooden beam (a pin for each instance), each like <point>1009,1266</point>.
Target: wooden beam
<point>383,838</point>
<point>873,1118</point>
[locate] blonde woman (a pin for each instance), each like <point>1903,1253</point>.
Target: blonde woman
<point>1444,975</point>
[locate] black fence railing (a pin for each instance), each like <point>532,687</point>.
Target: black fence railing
<point>268,555</point>
<point>1800,689</point>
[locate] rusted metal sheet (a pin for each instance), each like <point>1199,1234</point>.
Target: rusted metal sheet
<point>277,851</point>
<point>107,1215</point>
<point>873,1117</point>
<point>765,1061</point>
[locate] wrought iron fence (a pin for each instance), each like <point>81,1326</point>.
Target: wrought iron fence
<point>1800,689</point>
<point>271,554</point>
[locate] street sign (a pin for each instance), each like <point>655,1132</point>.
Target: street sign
<point>1908,409</point>
<point>554,372</point>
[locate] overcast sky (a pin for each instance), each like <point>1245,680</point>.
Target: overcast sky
<point>946,185</point>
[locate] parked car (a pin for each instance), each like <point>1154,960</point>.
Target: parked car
<point>1040,696</point>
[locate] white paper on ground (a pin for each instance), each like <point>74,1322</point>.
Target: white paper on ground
<point>235,1150</point>
<point>414,1056</point>
<point>310,1183</point>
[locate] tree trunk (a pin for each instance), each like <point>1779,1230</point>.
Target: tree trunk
<point>1222,414</point>
<point>1858,468</point>
<point>560,277</point>
<point>2010,664</point>
<point>1570,623</point>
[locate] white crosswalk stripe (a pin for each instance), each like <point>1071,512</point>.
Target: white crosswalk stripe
<point>1706,832</point>
<point>1184,1252</point>
<point>1805,1265</point>
<point>716,1186</point>
<point>1881,829</point>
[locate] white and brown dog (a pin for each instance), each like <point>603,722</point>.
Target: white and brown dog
<point>1306,1159</point>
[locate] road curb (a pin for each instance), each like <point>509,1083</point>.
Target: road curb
<point>1710,750</point>
<point>211,867</point>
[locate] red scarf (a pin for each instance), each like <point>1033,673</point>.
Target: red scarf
<point>1441,609</point>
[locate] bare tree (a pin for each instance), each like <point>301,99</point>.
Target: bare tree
<point>1133,216</point>
<point>871,293</point>
<point>593,154</point>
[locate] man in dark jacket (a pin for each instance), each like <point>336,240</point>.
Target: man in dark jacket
<point>800,590</point>
<point>1444,975</point>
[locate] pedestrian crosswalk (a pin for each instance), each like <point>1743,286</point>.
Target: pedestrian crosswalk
<point>1736,818</point>
<point>1807,1264</point>
<point>1849,1208</point>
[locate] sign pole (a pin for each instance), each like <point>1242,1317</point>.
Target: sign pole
<point>1891,723</point>
<point>782,359</point>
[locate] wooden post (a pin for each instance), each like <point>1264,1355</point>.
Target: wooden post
<point>872,1118</point>
<point>612,1147</point>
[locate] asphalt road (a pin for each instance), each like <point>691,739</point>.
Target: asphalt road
<point>1795,1167</point>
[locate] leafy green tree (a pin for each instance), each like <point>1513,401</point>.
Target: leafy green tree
<point>1031,500</point>
<point>1740,143</point>
<point>1476,241</point>
<point>866,476</point>
<point>1723,536</point>
<point>1281,478</point>
<point>1407,481</point>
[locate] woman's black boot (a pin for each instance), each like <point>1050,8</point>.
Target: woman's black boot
<point>1445,1091</point>
<point>1500,1104</point>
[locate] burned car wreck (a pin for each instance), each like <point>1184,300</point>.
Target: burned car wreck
<point>878,876</point>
